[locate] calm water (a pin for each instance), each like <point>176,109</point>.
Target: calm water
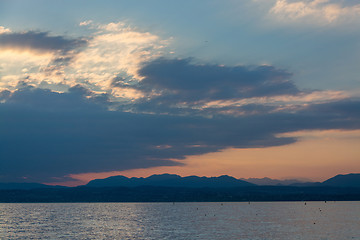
<point>280,220</point>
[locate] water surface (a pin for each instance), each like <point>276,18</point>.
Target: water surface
<point>275,220</point>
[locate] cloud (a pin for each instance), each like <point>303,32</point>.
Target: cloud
<point>178,86</point>
<point>85,23</point>
<point>178,82</point>
<point>4,95</point>
<point>116,49</point>
<point>213,82</point>
<point>45,135</point>
<point>16,66</point>
<point>348,108</point>
<point>75,99</point>
<point>111,50</point>
<point>316,11</point>
<point>38,41</point>
<point>111,104</point>
<point>4,30</point>
<point>35,57</point>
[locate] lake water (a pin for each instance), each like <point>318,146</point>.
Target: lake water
<point>275,220</point>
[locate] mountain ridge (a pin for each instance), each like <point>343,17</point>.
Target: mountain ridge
<point>170,180</point>
<point>173,180</point>
<point>344,180</point>
<point>26,185</point>
<point>266,181</point>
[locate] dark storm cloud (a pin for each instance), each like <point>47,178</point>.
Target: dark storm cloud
<point>180,80</point>
<point>4,95</point>
<point>40,41</point>
<point>44,134</point>
<point>178,86</point>
<point>77,98</point>
<point>349,108</point>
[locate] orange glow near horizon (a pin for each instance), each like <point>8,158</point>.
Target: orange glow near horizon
<point>317,156</point>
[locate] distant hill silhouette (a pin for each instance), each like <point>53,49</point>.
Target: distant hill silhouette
<point>272,182</point>
<point>351,180</point>
<point>173,180</point>
<point>26,186</point>
<point>306,184</point>
<point>348,180</point>
<point>173,188</point>
<point>170,180</point>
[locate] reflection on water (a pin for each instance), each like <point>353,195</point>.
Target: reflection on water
<point>279,220</point>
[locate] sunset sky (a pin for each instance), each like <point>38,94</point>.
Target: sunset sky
<point>247,88</point>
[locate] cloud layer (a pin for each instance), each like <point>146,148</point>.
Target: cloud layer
<point>112,102</point>
<point>47,135</point>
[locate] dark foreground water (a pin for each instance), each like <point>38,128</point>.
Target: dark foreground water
<point>275,220</point>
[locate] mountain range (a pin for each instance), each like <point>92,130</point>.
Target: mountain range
<point>172,180</point>
<point>348,180</point>
<point>274,182</point>
<point>26,186</point>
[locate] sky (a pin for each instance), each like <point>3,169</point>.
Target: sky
<point>251,88</point>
